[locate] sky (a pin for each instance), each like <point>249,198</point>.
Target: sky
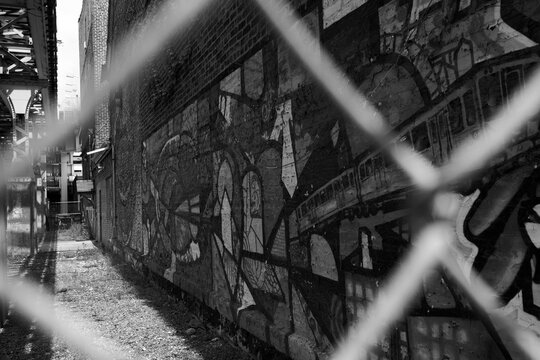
<point>68,12</point>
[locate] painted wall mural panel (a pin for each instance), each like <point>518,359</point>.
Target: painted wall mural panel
<point>175,190</point>
<point>286,215</point>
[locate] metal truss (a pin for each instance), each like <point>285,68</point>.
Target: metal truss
<point>25,64</point>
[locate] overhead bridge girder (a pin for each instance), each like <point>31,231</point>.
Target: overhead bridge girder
<point>13,3</point>
<point>22,82</point>
<point>28,62</point>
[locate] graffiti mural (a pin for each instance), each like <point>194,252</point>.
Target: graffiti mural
<point>261,197</point>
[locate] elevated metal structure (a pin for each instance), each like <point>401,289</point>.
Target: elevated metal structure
<point>28,61</point>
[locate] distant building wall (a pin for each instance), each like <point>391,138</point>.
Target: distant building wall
<point>93,32</point>
<point>92,52</point>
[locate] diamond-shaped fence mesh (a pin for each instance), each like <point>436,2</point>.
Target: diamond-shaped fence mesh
<point>435,245</point>
<point>437,239</point>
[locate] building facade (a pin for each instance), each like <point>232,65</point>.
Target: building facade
<point>92,58</point>
<point>237,179</point>
<point>95,133</point>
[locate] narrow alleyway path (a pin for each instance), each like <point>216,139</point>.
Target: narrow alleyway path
<point>116,302</point>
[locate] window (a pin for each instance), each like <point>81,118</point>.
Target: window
<point>490,94</point>
<point>324,196</point>
<point>470,109</point>
<point>405,139</point>
<point>337,186</point>
<point>420,137</point>
<point>455,116</point>
<point>318,200</point>
<point>387,160</point>
<point>421,7</point>
<point>463,4</point>
<point>377,163</point>
<point>362,172</point>
<point>329,193</point>
<point>366,244</point>
<point>442,123</point>
<point>512,82</point>
<point>345,180</point>
<point>433,130</point>
<point>369,168</point>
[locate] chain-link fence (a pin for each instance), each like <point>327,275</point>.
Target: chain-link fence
<point>61,215</point>
<point>438,210</point>
<point>64,208</point>
<point>435,245</point>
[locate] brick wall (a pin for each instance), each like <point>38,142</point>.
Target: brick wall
<point>124,106</point>
<point>227,32</point>
<point>228,158</point>
<point>93,50</point>
<point>99,38</point>
<point>85,22</point>
<point>93,33</point>
<point>87,85</point>
<point>125,118</point>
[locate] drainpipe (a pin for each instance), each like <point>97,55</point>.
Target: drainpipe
<point>117,103</point>
<point>113,154</point>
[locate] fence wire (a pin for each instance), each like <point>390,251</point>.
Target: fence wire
<point>430,248</point>
<point>435,242</point>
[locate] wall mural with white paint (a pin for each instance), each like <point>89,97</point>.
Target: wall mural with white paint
<point>293,219</point>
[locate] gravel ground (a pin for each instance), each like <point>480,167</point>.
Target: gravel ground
<point>112,302</point>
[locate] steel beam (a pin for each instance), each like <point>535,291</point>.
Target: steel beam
<point>17,61</point>
<point>15,43</point>
<point>12,4</point>
<point>36,19</point>
<point>22,82</point>
<point>23,14</point>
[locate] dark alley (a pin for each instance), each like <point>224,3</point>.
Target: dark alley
<point>115,302</point>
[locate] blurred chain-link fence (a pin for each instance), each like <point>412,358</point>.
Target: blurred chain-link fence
<point>435,245</point>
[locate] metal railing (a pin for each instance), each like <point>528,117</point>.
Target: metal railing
<point>435,241</point>
<point>64,208</point>
<point>53,182</point>
<point>62,215</point>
